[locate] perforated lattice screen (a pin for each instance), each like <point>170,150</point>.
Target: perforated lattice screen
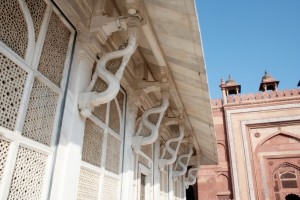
<point>114,119</point>
<point>147,149</point>
<point>113,154</point>
<point>100,112</point>
<point>41,113</point>
<point>37,9</point>
<point>88,185</point>
<point>113,65</point>
<point>110,191</point>
<point>92,143</point>
<point>100,85</point>
<point>55,50</point>
<point>12,80</point>
<point>4,147</point>
<point>145,131</point>
<point>28,175</point>
<point>13,28</point>
<point>153,118</point>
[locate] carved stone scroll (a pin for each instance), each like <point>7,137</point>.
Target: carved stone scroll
<point>182,161</point>
<point>88,100</point>
<point>138,140</point>
<point>192,177</point>
<point>171,150</point>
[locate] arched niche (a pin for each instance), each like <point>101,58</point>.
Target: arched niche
<point>223,184</point>
<point>278,141</point>
<point>222,155</point>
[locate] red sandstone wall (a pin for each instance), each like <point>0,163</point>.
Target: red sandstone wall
<point>215,180</point>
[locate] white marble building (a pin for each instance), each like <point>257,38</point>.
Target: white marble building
<point>102,99</point>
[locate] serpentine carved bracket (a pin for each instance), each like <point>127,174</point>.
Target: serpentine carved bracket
<point>183,161</point>
<point>89,99</point>
<point>153,127</point>
<point>192,177</point>
<point>171,150</point>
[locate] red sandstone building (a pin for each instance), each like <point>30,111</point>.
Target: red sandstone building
<point>258,143</point>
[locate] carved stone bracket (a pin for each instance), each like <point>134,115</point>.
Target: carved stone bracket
<point>170,149</point>
<point>148,86</point>
<point>182,161</point>
<point>192,177</point>
<point>89,99</point>
<point>153,127</point>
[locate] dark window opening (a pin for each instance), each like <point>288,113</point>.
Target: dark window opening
<point>292,197</point>
<point>271,87</point>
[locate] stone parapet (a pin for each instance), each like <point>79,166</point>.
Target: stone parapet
<point>260,96</point>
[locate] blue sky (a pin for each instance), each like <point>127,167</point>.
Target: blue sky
<point>246,37</point>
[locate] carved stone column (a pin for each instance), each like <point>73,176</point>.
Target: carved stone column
<point>156,171</point>
<point>68,160</point>
<point>129,155</point>
<point>170,181</point>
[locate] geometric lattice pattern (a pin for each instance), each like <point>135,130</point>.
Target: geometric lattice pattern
<point>54,50</point>
<point>153,118</point>
<point>4,147</point>
<point>12,80</point>
<point>145,131</point>
<point>110,188</point>
<point>114,119</point>
<point>13,28</point>
<point>41,113</point>
<point>147,149</point>
<point>28,175</point>
<point>100,112</point>
<point>37,9</point>
<point>88,188</point>
<point>113,65</point>
<point>100,85</point>
<point>113,147</point>
<point>92,143</point>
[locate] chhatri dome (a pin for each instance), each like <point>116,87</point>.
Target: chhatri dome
<point>230,81</point>
<point>230,87</point>
<point>268,82</point>
<point>267,77</point>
